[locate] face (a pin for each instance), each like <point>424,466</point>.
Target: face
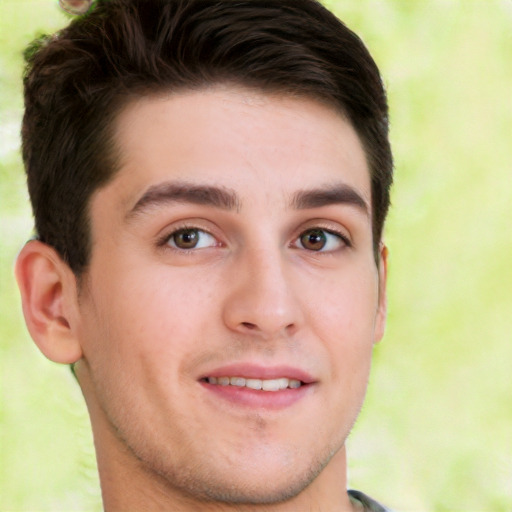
<point>229,312</point>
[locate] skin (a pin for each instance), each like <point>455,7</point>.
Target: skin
<point>151,320</point>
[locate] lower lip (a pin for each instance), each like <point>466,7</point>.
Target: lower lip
<point>255,398</point>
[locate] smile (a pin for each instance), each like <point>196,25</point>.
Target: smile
<point>257,384</point>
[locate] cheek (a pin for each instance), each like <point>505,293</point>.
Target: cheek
<point>343,315</point>
<point>346,303</point>
<point>143,314</point>
<point>140,329</point>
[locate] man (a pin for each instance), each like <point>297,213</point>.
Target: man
<point>209,181</point>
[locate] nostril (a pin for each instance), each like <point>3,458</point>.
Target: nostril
<point>248,325</point>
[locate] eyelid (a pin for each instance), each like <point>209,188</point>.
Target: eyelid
<point>163,240</point>
<point>345,239</point>
<point>201,225</point>
<point>210,240</point>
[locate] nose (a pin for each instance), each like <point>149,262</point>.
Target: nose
<point>262,299</point>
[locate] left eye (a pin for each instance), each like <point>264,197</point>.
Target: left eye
<point>191,238</point>
<point>321,240</point>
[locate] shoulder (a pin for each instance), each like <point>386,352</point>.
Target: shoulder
<point>368,504</point>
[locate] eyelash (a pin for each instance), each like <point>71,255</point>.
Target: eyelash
<point>164,240</point>
<point>344,240</point>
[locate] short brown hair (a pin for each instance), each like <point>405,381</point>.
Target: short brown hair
<point>77,80</point>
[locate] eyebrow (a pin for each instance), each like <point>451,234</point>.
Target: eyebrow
<point>183,192</point>
<point>227,199</point>
<point>325,196</point>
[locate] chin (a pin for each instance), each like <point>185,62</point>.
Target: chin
<point>247,484</point>
<point>248,491</point>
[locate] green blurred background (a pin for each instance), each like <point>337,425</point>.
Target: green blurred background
<point>435,433</point>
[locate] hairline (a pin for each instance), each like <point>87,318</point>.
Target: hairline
<point>112,150</point>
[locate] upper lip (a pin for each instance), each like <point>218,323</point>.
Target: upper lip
<point>263,372</point>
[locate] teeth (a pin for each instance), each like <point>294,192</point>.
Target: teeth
<point>259,384</point>
<point>274,385</point>
<point>237,381</point>
<point>253,383</point>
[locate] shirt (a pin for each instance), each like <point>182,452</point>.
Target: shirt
<point>369,505</point>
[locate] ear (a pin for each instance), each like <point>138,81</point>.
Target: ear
<point>49,299</point>
<point>382,307</point>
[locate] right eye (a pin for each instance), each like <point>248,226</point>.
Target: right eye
<point>191,238</point>
<point>322,240</point>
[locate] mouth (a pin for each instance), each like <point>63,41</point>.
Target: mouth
<point>271,385</point>
<point>258,386</point>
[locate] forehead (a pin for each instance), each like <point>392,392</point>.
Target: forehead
<point>243,140</point>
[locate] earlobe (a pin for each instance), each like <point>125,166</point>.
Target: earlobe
<point>380,323</point>
<point>48,294</point>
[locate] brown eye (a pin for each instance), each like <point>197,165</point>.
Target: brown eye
<point>185,238</point>
<point>321,240</point>
<point>191,238</point>
<point>313,240</point>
